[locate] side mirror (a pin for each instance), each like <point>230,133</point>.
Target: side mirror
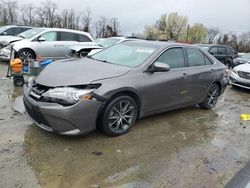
<point>41,39</point>
<point>159,67</point>
<point>4,33</point>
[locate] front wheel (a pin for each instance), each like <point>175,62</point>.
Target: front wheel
<point>211,98</point>
<point>18,81</point>
<point>25,55</point>
<point>119,116</point>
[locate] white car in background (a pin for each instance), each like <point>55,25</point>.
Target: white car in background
<point>100,43</point>
<point>49,43</point>
<point>240,76</point>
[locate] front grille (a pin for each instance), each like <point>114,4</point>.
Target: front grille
<point>35,114</point>
<point>245,75</point>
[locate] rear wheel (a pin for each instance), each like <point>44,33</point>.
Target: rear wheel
<point>211,98</point>
<point>119,116</point>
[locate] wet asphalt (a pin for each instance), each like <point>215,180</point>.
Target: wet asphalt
<point>184,148</point>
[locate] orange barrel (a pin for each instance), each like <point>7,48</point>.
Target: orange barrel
<point>16,65</point>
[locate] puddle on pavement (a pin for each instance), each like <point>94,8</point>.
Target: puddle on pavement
<point>137,157</point>
<point>184,148</point>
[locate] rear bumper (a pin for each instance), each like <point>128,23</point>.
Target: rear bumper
<point>71,120</point>
<point>225,83</point>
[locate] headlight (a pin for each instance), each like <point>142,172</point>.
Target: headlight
<point>67,95</point>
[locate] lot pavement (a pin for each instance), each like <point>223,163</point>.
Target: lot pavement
<point>185,148</point>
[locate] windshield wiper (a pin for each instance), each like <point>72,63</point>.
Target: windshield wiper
<point>104,61</point>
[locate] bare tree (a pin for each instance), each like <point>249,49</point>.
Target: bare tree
<point>86,20</point>
<point>12,11</point>
<point>100,27</point>
<point>47,13</point>
<point>28,14</point>
<point>8,12</point>
<point>212,33</point>
<point>114,24</point>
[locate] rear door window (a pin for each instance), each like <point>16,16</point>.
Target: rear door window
<point>230,51</point>
<point>221,51</point>
<point>83,38</point>
<point>67,36</point>
<point>195,57</point>
<point>174,57</point>
<point>207,60</point>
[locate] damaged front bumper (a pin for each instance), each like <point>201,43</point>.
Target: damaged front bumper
<point>79,118</point>
<point>236,80</point>
<point>5,54</point>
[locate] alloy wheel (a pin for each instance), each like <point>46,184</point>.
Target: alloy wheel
<point>212,96</point>
<point>25,55</point>
<point>122,116</point>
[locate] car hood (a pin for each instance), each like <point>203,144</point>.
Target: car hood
<point>78,72</point>
<point>241,59</point>
<point>244,67</point>
<point>6,40</point>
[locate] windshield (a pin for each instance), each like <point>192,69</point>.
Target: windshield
<point>30,33</point>
<point>107,42</point>
<point>246,55</point>
<point>126,54</point>
<point>2,29</point>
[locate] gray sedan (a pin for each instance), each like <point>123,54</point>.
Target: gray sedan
<point>112,88</point>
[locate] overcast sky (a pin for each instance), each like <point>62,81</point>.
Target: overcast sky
<point>228,15</point>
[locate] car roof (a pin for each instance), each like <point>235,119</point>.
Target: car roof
<point>10,26</point>
<point>66,30</point>
<point>160,44</point>
<point>211,45</point>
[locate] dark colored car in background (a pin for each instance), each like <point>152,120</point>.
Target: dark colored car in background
<point>112,88</point>
<point>223,53</point>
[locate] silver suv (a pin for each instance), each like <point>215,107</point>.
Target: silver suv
<point>48,43</point>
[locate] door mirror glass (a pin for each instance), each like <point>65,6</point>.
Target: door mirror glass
<point>160,67</point>
<point>41,39</point>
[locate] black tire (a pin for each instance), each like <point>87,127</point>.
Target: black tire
<point>113,121</point>
<point>83,53</point>
<point>26,54</point>
<point>211,97</point>
<point>18,81</point>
